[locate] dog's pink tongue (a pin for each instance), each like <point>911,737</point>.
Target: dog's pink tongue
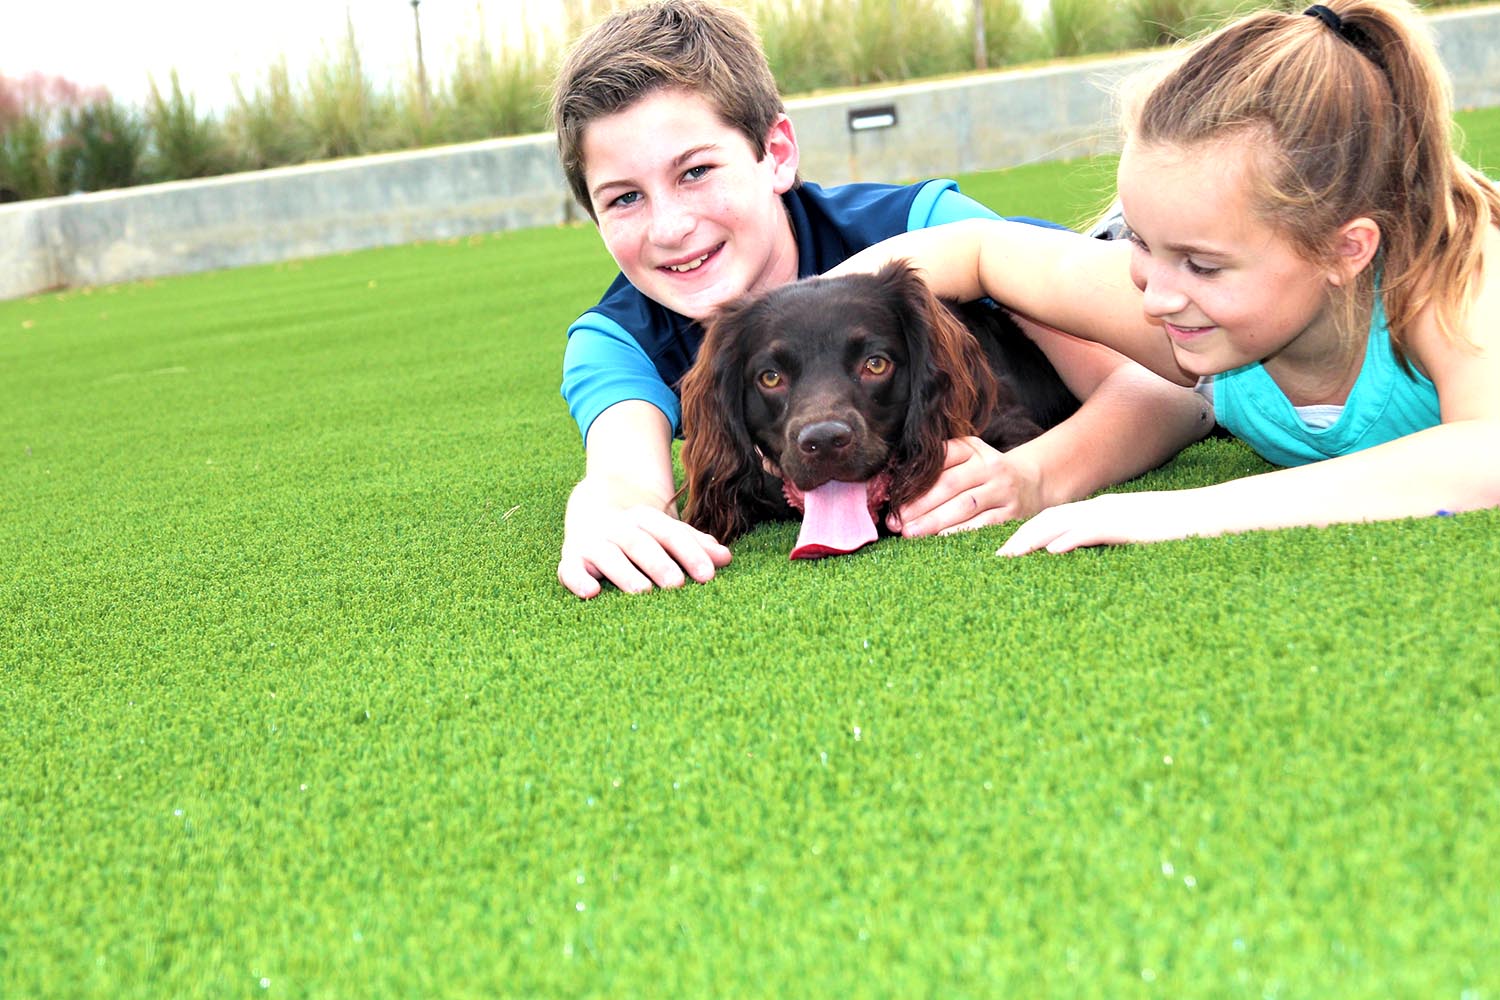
<point>835,520</point>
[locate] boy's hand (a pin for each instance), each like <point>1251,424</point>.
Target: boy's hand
<point>979,486</point>
<point>634,549</point>
<point>621,525</point>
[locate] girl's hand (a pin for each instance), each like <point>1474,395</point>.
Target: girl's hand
<point>979,486</point>
<point>1111,519</point>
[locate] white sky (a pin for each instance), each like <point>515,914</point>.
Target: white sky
<point>123,44</point>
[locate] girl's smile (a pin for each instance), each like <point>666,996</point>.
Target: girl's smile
<point>1183,334</point>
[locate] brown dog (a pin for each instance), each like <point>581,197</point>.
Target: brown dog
<point>836,395</point>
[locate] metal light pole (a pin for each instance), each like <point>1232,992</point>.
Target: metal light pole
<point>981,53</point>
<point>416,17</point>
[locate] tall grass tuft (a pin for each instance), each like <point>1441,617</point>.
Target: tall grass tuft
<point>493,93</point>
<point>183,143</point>
<point>1082,27</point>
<point>57,137</point>
<point>267,127</point>
<point>343,109</point>
<point>1162,22</point>
<point>803,55</point>
<point>894,40</point>
<point>844,43</point>
<point>1009,36</point>
<point>24,118</point>
<point>103,148</point>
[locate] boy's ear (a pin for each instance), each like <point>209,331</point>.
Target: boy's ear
<point>782,154</point>
<point>1355,245</point>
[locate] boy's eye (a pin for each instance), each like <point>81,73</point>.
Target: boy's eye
<point>1129,236</point>
<point>1202,270</point>
<point>628,198</point>
<point>694,173</point>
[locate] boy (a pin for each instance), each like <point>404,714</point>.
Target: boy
<point>674,139</point>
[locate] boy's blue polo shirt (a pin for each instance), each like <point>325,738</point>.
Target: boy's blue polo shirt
<point>631,347</point>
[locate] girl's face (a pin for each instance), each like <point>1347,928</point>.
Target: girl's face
<point>1227,289</point>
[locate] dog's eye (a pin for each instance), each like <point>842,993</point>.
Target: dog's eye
<point>877,365</point>
<point>769,379</point>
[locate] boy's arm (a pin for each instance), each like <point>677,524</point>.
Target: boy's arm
<point>621,524</point>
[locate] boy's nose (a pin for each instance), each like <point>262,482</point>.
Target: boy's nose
<point>671,222</point>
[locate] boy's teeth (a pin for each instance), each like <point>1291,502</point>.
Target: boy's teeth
<point>691,265</point>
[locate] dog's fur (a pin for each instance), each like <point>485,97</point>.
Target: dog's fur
<point>869,374</point>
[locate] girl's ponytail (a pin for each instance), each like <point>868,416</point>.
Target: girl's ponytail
<point>1350,108</point>
<point>1439,208</point>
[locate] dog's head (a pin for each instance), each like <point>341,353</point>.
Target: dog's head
<point>856,379</point>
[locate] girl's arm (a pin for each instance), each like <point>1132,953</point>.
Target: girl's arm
<point>621,524</point>
<point>1058,278</point>
<point>1452,467</point>
<point>1130,422</point>
<point>1448,468</point>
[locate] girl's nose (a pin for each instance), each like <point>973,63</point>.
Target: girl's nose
<point>1160,295</point>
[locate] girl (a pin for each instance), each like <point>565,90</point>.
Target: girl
<point>1305,246</point>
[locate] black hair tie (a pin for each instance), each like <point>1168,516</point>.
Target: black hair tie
<point>1348,32</point>
<point>1328,17</point>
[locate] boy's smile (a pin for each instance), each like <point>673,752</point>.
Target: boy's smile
<point>689,214</point>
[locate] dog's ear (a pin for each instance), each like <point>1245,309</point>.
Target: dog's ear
<point>725,480</point>
<point>952,387</point>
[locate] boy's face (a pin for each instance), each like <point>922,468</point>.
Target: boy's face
<point>689,214</point>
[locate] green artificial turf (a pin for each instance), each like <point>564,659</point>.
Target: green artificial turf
<point>292,705</point>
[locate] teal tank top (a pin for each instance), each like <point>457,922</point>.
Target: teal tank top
<point>1386,403</point>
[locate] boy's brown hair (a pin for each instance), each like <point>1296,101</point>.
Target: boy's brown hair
<point>691,45</point>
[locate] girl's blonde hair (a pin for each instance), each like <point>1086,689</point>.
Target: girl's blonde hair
<point>1351,116</point>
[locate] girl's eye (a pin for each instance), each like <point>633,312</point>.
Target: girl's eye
<point>877,365</point>
<point>694,173</point>
<point>1202,270</point>
<point>769,379</point>
<point>1130,237</point>
<point>626,199</point>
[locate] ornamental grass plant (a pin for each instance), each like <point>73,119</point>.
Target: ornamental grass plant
<point>57,138</point>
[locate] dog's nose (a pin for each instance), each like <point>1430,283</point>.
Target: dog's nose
<point>824,436</point>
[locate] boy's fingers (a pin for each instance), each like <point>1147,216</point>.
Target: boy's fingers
<point>718,553</point>
<point>605,562</point>
<point>698,553</point>
<point>658,550</point>
<point>617,566</point>
<point>572,574</point>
